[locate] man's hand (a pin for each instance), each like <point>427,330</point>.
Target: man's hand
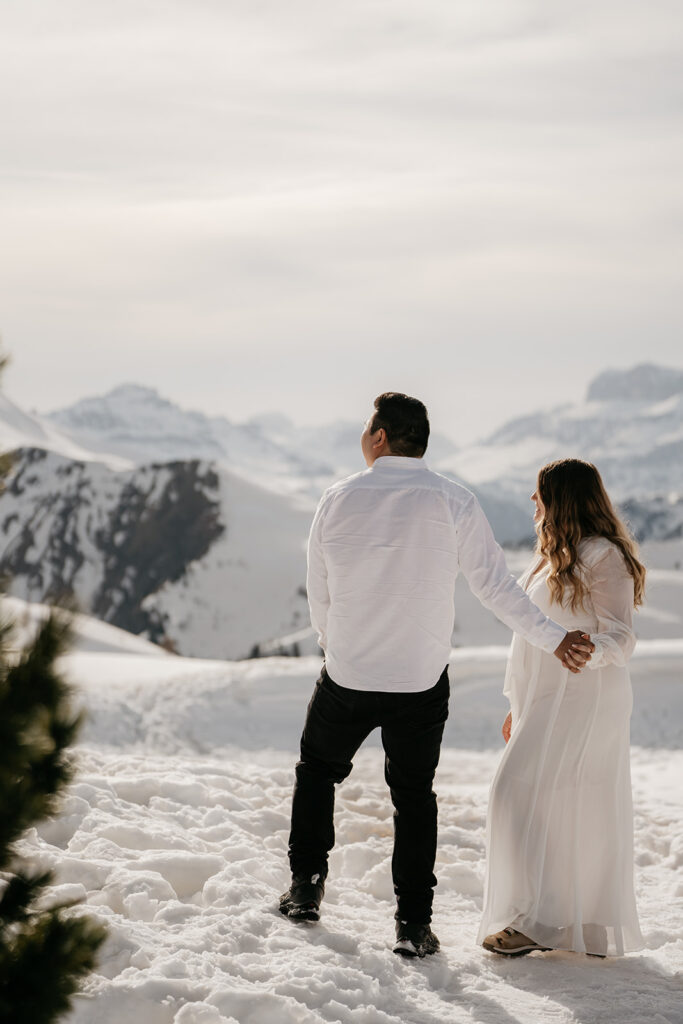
<point>507,727</point>
<point>575,650</point>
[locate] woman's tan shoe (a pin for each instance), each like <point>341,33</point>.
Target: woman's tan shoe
<point>511,943</point>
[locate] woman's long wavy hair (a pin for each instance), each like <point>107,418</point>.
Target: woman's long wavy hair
<point>576,505</point>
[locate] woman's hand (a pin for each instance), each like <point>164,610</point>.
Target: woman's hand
<point>575,650</point>
<point>507,726</point>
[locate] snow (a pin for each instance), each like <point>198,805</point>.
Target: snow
<point>249,586</point>
<point>175,833</point>
<point>88,634</point>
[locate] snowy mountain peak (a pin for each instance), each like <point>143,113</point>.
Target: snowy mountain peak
<point>135,393</point>
<point>113,409</point>
<point>646,382</point>
<point>141,425</point>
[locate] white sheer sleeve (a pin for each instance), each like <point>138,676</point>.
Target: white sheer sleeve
<point>610,587</point>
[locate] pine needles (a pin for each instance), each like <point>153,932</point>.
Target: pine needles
<point>44,953</point>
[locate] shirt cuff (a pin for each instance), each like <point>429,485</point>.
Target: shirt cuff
<point>597,655</point>
<point>554,635</point>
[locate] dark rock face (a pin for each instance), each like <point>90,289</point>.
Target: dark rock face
<point>108,540</point>
<point>49,572</point>
<point>158,536</point>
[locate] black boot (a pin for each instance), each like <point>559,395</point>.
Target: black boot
<point>415,939</point>
<point>302,900</point>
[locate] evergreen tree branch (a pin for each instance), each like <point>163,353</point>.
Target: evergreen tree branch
<point>36,728</point>
<point>44,953</point>
<point>40,970</point>
<point>20,892</point>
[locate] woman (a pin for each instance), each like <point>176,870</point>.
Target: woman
<point>560,824</point>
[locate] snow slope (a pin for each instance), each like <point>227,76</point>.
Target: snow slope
<point>250,586</point>
<point>87,634</point>
<point>175,833</point>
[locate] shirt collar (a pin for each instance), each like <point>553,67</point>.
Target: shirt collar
<point>392,462</point>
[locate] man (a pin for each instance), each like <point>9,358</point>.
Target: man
<point>385,548</point>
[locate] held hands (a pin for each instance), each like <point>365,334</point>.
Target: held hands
<point>575,650</point>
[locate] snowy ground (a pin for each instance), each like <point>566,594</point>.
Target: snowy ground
<point>175,833</point>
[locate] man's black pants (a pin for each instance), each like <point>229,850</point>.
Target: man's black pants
<point>337,722</point>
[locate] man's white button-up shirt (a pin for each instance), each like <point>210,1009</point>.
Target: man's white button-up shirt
<point>385,548</point>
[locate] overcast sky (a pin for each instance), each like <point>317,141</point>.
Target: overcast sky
<point>255,205</point>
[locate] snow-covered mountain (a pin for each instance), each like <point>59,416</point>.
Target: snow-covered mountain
<point>182,552</point>
<point>646,382</point>
<point>630,425</point>
<point>151,518</point>
<point>138,424</point>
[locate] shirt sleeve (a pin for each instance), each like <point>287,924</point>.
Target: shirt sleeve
<point>610,586</point>
<point>482,561</point>
<point>316,578</point>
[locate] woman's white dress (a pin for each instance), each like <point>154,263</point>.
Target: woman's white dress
<point>560,820</point>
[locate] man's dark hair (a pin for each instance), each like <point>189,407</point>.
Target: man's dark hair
<point>405,421</point>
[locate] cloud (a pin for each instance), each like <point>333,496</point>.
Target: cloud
<point>301,191</point>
